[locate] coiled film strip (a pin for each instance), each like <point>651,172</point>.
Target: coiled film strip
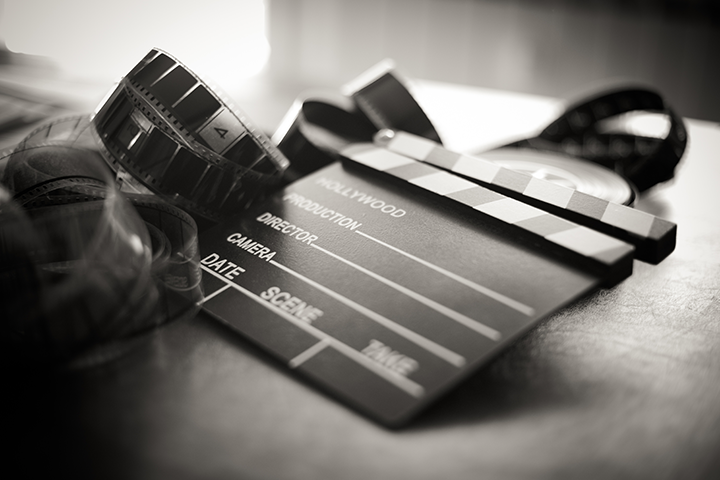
<point>382,95</point>
<point>645,161</point>
<point>316,127</point>
<point>170,141</point>
<point>87,271</point>
<point>381,98</point>
<point>319,125</point>
<point>176,137</point>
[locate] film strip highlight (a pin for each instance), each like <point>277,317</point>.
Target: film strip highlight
<point>653,237</point>
<point>176,137</point>
<point>603,254</point>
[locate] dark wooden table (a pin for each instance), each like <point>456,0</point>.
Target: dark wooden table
<point>623,384</point>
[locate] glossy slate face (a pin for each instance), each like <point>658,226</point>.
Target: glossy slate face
<point>380,290</point>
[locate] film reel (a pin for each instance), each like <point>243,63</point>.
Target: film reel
<point>87,271</point>
<point>576,173</point>
<point>643,160</point>
<point>163,130</point>
<point>95,257</point>
<point>593,174</point>
<point>572,151</point>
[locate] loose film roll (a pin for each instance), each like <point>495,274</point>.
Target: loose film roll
<point>164,130</point>
<point>645,161</point>
<point>321,124</point>
<point>95,256</point>
<point>573,153</point>
<point>83,275</point>
<point>317,126</point>
<point>383,96</point>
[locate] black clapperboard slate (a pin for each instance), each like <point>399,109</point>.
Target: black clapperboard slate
<point>383,294</point>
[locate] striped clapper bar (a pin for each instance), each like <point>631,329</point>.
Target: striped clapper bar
<point>653,237</point>
<point>601,254</point>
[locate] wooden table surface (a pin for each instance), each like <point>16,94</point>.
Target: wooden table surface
<point>623,384</point>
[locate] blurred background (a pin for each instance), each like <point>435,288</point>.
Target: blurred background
<point>264,53</point>
<point>557,48</point>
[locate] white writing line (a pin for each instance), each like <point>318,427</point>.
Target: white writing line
<point>434,348</point>
<point>520,307</point>
<point>219,290</point>
<point>482,329</point>
<point>398,380</point>
<point>308,354</point>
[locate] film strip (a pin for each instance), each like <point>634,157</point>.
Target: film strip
<point>603,254</point>
<point>381,98</point>
<point>653,237</point>
<point>583,131</point>
<point>165,131</point>
<point>170,141</point>
<point>644,161</point>
<point>88,271</point>
<point>316,127</point>
<point>382,95</point>
<point>319,125</point>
